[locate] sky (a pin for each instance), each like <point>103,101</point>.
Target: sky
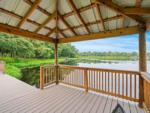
<point>116,44</point>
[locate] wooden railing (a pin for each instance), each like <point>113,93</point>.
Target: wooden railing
<point>47,75</point>
<point>146,92</point>
<point>130,85</point>
<point>119,83</point>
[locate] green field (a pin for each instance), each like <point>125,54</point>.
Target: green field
<point>14,65</point>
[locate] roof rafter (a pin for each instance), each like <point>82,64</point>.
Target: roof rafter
<point>59,31</point>
<point>82,9</point>
<point>95,22</point>
<point>64,21</point>
<point>46,21</point>
<point>119,9</point>
<point>137,11</point>
<point>50,32</point>
<point>29,2</point>
<point>16,31</point>
<point>100,16</point>
<point>20,17</point>
<point>29,12</point>
<point>101,35</point>
<point>78,14</point>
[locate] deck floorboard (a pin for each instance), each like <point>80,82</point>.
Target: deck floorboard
<point>19,97</point>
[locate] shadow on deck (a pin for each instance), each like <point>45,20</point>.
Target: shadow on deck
<point>19,97</point>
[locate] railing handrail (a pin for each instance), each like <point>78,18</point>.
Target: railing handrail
<point>145,76</point>
<point>101,69</point>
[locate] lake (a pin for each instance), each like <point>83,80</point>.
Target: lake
<point>119,65</point>
<point>31,75</point>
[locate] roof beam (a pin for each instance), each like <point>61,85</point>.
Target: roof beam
<point>16,31</point>
<point>78,14</point>
<point>101,35</point>
<point>29,12</point>
<point>137,11</point>
<point>64,21</point>
<point>118,9</point>
<point>46,22</point>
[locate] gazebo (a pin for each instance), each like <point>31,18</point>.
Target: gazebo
<point>65,21</point>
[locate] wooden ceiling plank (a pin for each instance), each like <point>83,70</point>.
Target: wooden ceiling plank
<point>119,9</point>
<point>100,16</point>
<point>137,11</point>
<point>78,14</point>
<point>29,12</point>
<point>46,22</point>
<point>16,31</point>
<point>64,21</point>
<point>101,35</point>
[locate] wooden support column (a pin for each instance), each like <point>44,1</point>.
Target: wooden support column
<point>41,77</point>
<point>142,63</point>
<point>56,61</point>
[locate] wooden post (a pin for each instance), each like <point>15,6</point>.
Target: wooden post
<point>41,77</point>
<point>86,80</point>
<point>56,62</point>
<point>142,63</point>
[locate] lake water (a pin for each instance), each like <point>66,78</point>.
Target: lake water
<point>119,65</point>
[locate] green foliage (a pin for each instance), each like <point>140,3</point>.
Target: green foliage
<point>13,71</point>
<point>19,47</point>
<point>67,50</point>
<point>14,65</point>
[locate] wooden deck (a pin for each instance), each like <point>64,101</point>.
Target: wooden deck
<point>18,97</point>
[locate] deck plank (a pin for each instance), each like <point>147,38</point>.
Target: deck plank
<point>108,105</point>
<point>102,105</point>
<point>113,105</point>
<point>18,97</point>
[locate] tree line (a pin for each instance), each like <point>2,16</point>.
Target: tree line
<point>19,47</point>
<point>113,55</point>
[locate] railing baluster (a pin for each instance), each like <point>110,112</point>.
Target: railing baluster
<point>135,76</point>
<point>127,84</point>
<point>115,84</point>
<point>130,85</point>
<point>122,84</point>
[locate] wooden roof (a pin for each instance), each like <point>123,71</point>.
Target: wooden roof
<point>73,20</point>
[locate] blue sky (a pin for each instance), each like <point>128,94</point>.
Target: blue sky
<point>117,44</point>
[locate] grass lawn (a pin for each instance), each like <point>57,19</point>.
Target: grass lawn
<point>14,65</point>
